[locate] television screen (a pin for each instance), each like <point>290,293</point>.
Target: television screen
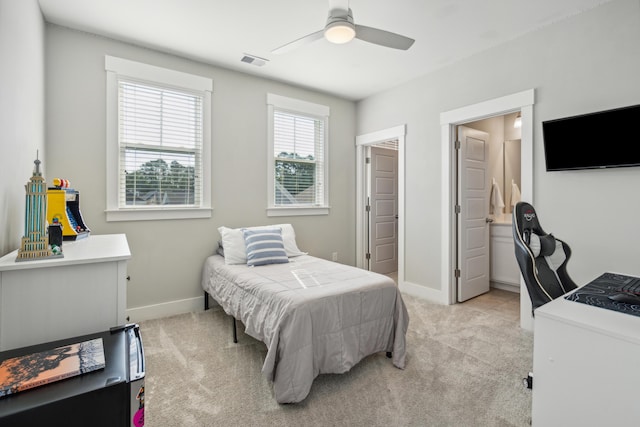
<point>604,139</point>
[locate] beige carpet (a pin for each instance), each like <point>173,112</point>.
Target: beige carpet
<point>465,366</point>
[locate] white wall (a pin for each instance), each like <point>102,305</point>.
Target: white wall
<point>583,64</point>
<point>167,256</point>
<point>21,111</point>
<point>587,63</point>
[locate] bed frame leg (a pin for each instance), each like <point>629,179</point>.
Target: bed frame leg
<point>235,332</point>
<point>389,354</point>
<point>206,307</point>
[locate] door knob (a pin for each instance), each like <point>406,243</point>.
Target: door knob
<point>488,219</point>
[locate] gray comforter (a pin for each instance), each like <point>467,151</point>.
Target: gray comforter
<point>315,316</point>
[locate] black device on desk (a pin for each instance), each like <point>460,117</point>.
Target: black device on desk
<point>613,291</point>
<point>628,291</point>
<point>109,397</point>
<point>626,298</point>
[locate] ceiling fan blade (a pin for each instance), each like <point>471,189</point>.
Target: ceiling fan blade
<point>299,42</point>
<point>383,38</point>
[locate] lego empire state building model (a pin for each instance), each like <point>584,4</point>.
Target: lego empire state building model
<point>35,242</point>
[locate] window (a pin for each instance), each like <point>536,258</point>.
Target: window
<point>158,142</point>
<point>297,161</point>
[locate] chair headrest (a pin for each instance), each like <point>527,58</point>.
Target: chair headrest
<point>542,245</point>
<point>525,218</point>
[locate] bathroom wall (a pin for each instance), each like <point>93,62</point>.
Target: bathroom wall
<point>511,149</point>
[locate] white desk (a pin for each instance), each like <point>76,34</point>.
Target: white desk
<point>586,366</point>
<point>56,298</point>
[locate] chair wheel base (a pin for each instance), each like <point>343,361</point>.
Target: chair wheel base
<point>528,381</point>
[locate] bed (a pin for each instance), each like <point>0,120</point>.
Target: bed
<point>315,316</point>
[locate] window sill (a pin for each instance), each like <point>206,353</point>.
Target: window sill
<point>297,211</point>
<point>157,214</point>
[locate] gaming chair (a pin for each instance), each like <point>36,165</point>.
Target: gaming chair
<point>542,257</point>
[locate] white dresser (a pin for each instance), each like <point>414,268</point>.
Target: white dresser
<point>56,298</point>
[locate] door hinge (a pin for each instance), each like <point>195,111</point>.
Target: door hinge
<point>367,208</point>
<point>368,255</point>
<point>457,144</point>
<point>457,209</point>
<point>367,160</point>
<point>456,273</point>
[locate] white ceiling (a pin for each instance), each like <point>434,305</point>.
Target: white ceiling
<point>221,32</point>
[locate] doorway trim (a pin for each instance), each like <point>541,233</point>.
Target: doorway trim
<point>521,101</point>
<point>362,141</point>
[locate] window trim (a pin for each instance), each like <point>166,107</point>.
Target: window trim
<point>180,80</point>
<point>278,102</point>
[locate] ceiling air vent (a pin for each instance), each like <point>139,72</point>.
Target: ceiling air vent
<point>254,60</point>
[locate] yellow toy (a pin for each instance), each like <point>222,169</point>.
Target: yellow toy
<point>63,206</point>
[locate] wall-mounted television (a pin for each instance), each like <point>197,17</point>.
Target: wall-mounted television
<point>604,139</point>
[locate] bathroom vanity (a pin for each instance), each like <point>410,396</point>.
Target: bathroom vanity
<point>505,273</point>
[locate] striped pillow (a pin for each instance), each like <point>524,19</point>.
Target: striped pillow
<point>264,246</point>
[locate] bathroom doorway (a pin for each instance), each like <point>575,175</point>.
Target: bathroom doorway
<point>449,120</point>
<point>488,175</point>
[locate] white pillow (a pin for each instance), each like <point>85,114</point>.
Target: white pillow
<point>235,251</point>
<point>288,237</point>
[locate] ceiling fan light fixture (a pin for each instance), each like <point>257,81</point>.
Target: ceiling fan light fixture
<point>340,28</point>
<point>340,32</point>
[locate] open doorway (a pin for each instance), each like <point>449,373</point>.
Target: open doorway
<point>523,102</point>
<point>380,212</point>
<point>382,207</point>
<point>488,172</point>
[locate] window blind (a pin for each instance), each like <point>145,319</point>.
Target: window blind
<point>160,142</point>
<point>299,159</point>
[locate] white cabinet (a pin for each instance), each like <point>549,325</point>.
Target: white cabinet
<point>49,299</point>
<point>504,267</point>
<point>585,366</point>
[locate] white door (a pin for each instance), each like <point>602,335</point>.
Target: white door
<point>384,210</point>
<point>473,222</point>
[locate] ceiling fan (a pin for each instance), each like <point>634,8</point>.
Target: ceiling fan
<point>340,28</point>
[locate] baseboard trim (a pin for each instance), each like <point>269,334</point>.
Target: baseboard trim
<point>423,292</point>
<point>506,287</point>
<point>166,309</point>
